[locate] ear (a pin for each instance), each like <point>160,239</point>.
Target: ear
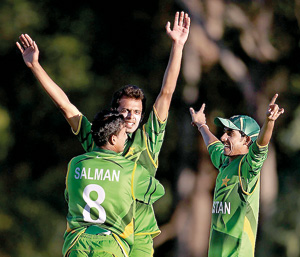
<point>112,139</point>
<point>247,140</point>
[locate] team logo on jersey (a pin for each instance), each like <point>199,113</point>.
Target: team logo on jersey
<point>225,181</point>
<point>130,151</point>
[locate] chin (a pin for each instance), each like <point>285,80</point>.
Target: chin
<point>227,153</point>
<point>130,130</point>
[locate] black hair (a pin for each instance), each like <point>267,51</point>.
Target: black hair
<point>106,123</point>
<point>244,135</point>
<point>130,91</point>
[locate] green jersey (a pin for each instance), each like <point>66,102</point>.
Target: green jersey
<point>236,201</point>
<point>143,146</point>
<point>101,189</point>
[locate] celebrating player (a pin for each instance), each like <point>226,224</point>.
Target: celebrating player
<point>239,159</point>
<point>143,144</point>
<point>101,189</point>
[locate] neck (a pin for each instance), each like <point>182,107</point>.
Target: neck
<point>233,157</point>
<point>109,147</point>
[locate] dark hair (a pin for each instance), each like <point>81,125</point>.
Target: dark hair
<point>106,123</point>
<point>130,91</point>
<point>244,135</point>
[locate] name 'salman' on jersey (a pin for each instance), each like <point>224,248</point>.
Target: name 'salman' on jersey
<point>96,174</point>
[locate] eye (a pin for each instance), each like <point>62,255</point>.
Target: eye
<point>123,110</point>
<point>138,112</point>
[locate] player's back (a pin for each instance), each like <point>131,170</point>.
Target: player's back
<point>99,191</point>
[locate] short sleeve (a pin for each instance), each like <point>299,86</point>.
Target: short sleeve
<point>84,134</point>
<point>146,188</point>
<point>216,150</point>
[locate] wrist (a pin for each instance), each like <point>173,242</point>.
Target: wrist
<point>177,45</point>
<point>199,126</point>
<point>35,65</point>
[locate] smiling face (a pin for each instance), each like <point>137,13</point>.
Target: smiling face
<point>131,109</point>
<point>234,143</point>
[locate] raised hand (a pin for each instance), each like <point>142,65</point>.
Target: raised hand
<point>198,118</point>
<point>29,50</point>
<point>274,111</point>
<point>181,28</point>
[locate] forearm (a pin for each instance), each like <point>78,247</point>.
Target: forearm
<point>173,69</point>
<point>206,134</point>
<point>50,87</point>
<point>54,91</point>
<point>57,95</point>
<point>265,134</point>
<point>163,101</point>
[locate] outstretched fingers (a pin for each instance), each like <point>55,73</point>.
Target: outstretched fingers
<point>176,18</point>
<point>192,111</point>
<point>274,99</point>
<point>274,111</point>
<point>181,19</point>
<point>168,27</point>
<point>202,108</point>
<point>20,47</point>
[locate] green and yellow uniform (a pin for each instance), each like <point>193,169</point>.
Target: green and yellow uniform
<point>101,190</point>
<point>236,201</point>
<point>143,146</point>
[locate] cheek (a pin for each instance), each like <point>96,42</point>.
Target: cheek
<point>137,118</point>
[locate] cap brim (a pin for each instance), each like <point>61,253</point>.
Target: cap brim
<point>220,122</point>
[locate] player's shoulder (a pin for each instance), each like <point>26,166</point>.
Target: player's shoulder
<point>87,155</point>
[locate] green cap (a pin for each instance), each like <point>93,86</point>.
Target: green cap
<point>242,123</point>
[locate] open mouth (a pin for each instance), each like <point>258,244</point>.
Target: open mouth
<point>129,124</point>
<point>227,145</point>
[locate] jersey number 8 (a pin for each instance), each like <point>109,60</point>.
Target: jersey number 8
<point>94,203</point>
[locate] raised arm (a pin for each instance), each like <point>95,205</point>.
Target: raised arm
<point>179,36</point>
<point>272,114</point>
<point>30,53</point>
<point>199,120</point>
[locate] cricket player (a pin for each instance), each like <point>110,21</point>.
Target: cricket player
<point>144,143</point>
<point>101,189</point>
<point>239,157</point>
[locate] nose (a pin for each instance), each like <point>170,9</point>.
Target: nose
<point>129,114</point>
<point>224,137</point>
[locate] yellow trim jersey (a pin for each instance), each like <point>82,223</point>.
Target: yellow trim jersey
<point>236,201</point>
<point>143,146</point>
<point>102,188</point>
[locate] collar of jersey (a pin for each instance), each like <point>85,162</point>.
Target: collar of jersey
<point>98,149</point>
<point>130,135</point>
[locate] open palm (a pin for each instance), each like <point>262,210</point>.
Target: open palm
<point>181,27</point>
<point>29,50</point>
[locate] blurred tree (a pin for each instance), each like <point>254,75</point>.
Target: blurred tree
<point>239,53</point>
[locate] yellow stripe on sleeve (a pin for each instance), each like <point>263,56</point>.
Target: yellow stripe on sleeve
<point>248,230</point>
<point>154,163</point>
<point>261,146</point>
<point>132,181</point>
<point>217,141</point>
<point>240,178</point>
<point>156,114</point>
<point>68,171</point>
<point>79,126</point>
